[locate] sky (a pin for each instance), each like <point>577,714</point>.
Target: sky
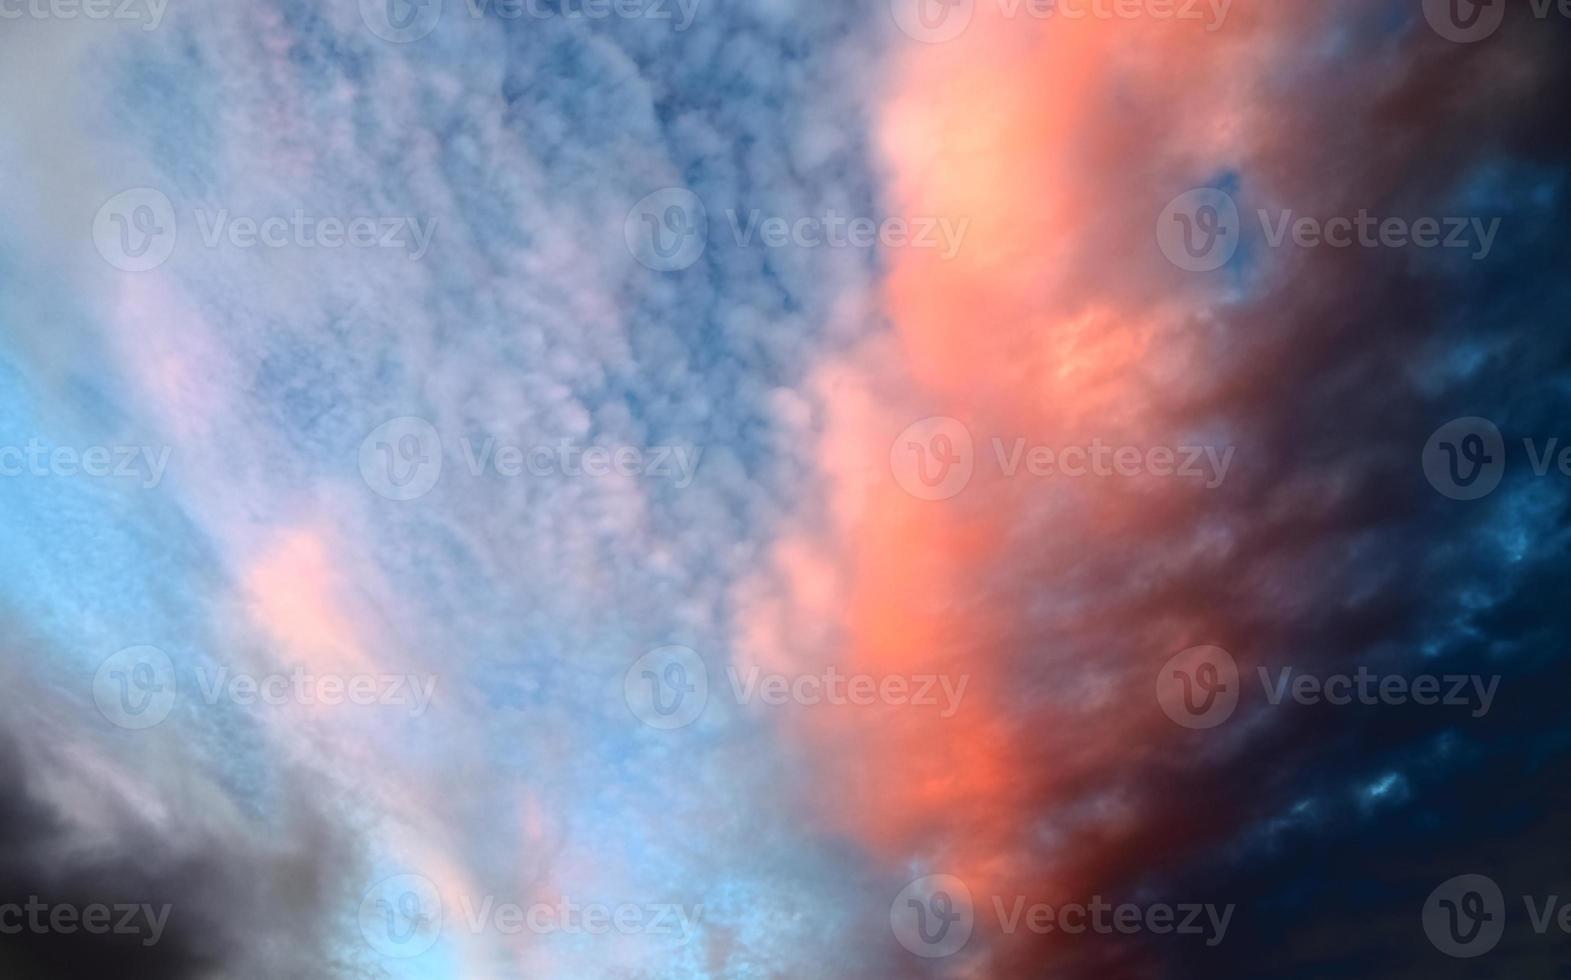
<point>677,489</point>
